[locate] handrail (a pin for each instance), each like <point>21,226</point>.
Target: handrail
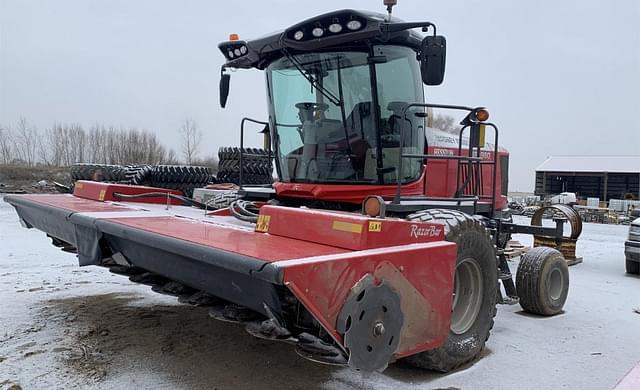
<point>396,199</point>
<point>470,159</point>
<point>246,119</point>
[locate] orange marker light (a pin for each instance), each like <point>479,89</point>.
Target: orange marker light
<point>482,115</point>
<point>373,206</point>
<point>234,37</point>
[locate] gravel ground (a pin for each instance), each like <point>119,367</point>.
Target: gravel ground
<point>62,326</point>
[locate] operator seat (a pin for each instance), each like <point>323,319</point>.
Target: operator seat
<point>361,124</point>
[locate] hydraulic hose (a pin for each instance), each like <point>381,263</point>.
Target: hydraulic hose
<point>183,199</point>
<point>244,210</point>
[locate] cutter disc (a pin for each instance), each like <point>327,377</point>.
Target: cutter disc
<point>371,321</point>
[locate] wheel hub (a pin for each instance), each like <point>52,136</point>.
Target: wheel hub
<point>467,295</point>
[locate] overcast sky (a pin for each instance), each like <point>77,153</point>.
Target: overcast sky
<point>559,77</point>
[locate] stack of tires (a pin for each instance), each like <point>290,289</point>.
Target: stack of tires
<point>97,172</point>
<point>180,177</point>
<point>256,166</point>
<point>175,177</point>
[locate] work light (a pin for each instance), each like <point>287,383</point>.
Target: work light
<point>354,25</point>
<point>335,28</point>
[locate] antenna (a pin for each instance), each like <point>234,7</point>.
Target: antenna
<point>390,4</point>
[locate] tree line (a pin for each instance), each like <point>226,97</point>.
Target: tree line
<point>65,144</point>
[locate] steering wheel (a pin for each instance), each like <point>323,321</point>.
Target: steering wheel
<point>309,111</point>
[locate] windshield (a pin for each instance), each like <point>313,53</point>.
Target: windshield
<point>326,129</point>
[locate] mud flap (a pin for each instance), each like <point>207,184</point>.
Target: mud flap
<point>88,245</point>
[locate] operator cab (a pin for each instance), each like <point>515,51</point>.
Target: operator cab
<point>339,87</point>
<point>329,130</point>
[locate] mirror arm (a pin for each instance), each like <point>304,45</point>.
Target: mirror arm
<point>395,27</point>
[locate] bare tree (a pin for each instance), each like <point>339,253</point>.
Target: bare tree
<point>446,123</point>
<point>191,139</point>
<point>65,144</point>
<point>171,158</point>
<point>6,147</point>
<point>25,142</point>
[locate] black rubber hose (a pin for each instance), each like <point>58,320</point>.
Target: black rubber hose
<point>244,211</point>
<point>184,199</point>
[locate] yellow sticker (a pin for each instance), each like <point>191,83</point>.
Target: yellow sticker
<point>263,223</point>
<point>375,226</point>
<point>347,227</point>
<point>79,185</point>
<point>102,194</point>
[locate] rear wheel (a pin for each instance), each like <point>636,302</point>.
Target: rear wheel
<point>542,281</point>
<point>633,267</point>
<point>474,292</point>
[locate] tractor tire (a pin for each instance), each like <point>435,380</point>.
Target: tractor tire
<point>632,267</point>
<point>180,177</point>
<point>542,281</point>
<point>137,174</point>
<point>476,271</point>
<point>180,174</point>
<point>249,154</point>
<point>97,172</point>
<point>256,166</point>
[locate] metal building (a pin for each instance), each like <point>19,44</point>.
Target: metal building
<point>604,177</point>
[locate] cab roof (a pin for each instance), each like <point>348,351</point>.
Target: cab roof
<point>375,28</point>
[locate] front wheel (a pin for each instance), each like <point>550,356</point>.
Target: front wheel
<point>474,292</point>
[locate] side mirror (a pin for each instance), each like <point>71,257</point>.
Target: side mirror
<point>432,59</point>
<point>225,78</point>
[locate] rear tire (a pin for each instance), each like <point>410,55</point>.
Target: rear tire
<point>633,267</point>
<point>542,281</point>
<point>476,271</point>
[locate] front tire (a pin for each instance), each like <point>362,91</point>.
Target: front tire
<point>475,291</point>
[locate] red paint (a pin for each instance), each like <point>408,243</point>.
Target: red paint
<point>226,237</point>
<point>439,179</point>
<point>102,192</point>
<point>442,176</point>
<point>72,203</point>
<point>350,193</point>
<point>348,230</point>
<point>323,284</point>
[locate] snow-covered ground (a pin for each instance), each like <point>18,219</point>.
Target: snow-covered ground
<point>62,326</point>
